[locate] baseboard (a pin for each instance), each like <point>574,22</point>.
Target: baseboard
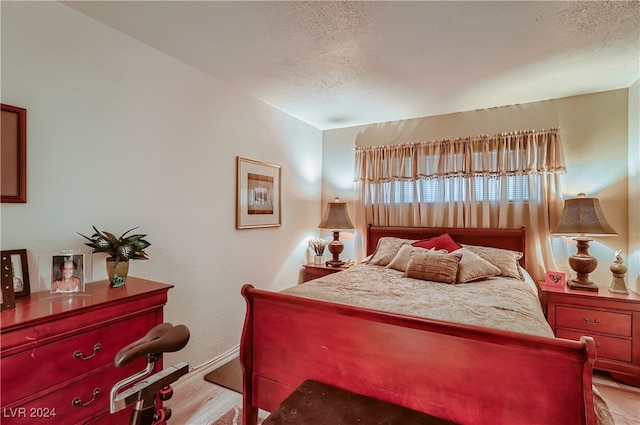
<point>197,373</point>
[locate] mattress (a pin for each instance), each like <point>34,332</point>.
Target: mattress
<point>496,302</point>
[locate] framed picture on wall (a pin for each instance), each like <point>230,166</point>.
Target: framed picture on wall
<point>67,273</point>
<point>17,260</point>
<point>258,194</point>
<point>13,153</point>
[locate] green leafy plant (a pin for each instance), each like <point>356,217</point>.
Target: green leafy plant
<point>124,248</point>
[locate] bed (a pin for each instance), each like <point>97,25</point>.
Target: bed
<point>431,360</point>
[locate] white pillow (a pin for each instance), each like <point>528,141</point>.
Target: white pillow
<point>473,267</point>
<point>387,249</point>
<point>504,259</point>
<point>401,259</point>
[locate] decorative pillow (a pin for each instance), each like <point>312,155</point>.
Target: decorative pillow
<point>443,241</point>
<point>473,267</point>
<point>387,249</point>
<point>504,259</point>
<point>434,266</point>
<point>401,259</point>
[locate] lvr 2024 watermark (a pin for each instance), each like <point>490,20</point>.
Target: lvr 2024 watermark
<point>31,412</point>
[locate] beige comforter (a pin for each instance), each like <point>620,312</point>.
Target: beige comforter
<point>496,302</point>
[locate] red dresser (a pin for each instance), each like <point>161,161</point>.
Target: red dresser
<point>57,351</point>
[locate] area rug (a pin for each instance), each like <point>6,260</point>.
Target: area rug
<point>232,417</point>
<point>229,375</point>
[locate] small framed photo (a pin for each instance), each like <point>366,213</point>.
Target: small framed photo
<point>557,279</point>
<point>258,194</point>
<point>67,274</point>
<point>17,261</point>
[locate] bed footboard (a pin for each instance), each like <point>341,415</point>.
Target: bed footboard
<point>465,374</point>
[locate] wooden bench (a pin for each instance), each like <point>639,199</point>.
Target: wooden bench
<point>315,403</point>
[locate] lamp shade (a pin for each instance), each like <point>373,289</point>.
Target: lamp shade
<point>336,216</point>
<point>583,216</point>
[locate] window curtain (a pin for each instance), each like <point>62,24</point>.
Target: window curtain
<point>507,180</point>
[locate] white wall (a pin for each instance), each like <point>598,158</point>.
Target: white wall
<point>594,129</point>
<point>633,263</point>
<point>121,135</point>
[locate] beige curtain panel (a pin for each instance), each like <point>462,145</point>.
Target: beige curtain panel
<point>505,180</point>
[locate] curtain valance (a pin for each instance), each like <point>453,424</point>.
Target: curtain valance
<point>527,152</point>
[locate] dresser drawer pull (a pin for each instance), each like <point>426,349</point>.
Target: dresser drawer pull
<point>79,403</point>
<point>595,322</point>
<point>597,344</point>
<point>78,354</point>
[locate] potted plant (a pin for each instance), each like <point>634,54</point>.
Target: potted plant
<point>120,250</point>
<point>318,246</point>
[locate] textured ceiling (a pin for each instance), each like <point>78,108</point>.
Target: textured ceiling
<point>339,64</point>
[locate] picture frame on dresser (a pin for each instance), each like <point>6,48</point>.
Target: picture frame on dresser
<point>258,194</point>
<point>7,295</point>
<point>13,142</point>
<point>17,261</point>
<point>67,273</point>
<point>557,279</point>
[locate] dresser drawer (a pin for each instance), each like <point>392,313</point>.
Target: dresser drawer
<point>592,320</point>
<point>31,371</point>
<point>607,347</point>
<point>57,407</point>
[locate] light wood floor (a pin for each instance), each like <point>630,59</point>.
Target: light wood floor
<point>199,402</point>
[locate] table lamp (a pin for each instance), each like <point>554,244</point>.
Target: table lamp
<point>583,216</point>
<point>336,218</point>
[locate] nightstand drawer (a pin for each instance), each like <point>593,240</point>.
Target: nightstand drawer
<point>607,347</point>
<point>593,320</point>
<point>315,271</point>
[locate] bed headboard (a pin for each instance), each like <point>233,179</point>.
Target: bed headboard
<point>513,239</point>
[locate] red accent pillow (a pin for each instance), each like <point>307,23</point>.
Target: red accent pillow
<point>443,241</point>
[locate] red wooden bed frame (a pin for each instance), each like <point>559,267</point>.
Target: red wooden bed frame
<point>462,373</point>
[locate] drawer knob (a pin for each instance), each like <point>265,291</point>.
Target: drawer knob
<point>79,403</point>
<point>595,322</point>
<point>78,354</point>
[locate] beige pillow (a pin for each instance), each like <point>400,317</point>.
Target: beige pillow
<point>401,259</point>
<point>387,249</point>
<point>473,267</point>
<point>504,259</point>
<point>434,266</point>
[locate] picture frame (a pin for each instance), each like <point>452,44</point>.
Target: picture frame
<point>7,294</point>
<point>556,279</point>
<point>67,273</point>
<point>17,261</point>
<point>13,149</point>
<point>258,194</point>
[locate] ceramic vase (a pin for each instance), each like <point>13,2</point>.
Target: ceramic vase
<point>318,259</point>
<point>117,273</point>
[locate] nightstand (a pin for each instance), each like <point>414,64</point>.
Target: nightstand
<point>613,320</point>
<point>314,271</point>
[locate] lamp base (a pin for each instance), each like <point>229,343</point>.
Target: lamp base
<point>335,248</point>
<point>582,286</point>
<point>582,263</point>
